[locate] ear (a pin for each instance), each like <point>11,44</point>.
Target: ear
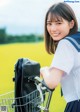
<point>71,24</point>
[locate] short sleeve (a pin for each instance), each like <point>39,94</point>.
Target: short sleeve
<point>64,56</point>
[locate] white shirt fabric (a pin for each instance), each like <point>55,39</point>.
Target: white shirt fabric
<point>67,58</point>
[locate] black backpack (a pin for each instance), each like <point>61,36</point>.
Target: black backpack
<point>25,71</point>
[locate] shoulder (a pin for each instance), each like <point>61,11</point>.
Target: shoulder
<point>64,56</point>
<point>74,40</point>
<point>65,44</point>
<point>64,48</point>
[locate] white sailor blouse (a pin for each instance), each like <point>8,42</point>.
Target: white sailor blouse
<point>67,58</point>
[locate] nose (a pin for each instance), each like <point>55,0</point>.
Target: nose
<point>53,27</point>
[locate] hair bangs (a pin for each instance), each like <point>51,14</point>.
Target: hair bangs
<point>54,17</point>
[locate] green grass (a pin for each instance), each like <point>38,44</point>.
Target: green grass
<point>10,53</point>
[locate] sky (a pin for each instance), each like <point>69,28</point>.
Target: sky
<point>27,16</point>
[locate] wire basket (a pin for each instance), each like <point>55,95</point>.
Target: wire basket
<point>6,101</point>
<point>36,101</point>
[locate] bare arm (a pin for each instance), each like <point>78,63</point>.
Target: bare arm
<point>52,77</point>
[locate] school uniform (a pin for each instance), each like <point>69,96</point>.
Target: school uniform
<point>67,59</point>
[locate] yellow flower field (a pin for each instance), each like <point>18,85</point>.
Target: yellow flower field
<point>10,53</point>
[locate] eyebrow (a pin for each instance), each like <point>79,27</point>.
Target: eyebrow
<point>55,21</point>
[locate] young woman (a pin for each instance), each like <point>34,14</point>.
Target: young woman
<point>63,40</point>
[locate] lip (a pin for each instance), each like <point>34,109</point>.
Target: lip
<point>55,34</point>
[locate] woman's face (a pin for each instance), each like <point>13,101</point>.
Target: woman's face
<point>58,29</point>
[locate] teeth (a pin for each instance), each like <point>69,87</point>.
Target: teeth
<point>56,34</point>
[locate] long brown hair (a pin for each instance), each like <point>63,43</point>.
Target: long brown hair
<point>57,11</point>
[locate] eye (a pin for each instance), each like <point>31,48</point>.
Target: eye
<point>49,23</point>
<point>58,22</point>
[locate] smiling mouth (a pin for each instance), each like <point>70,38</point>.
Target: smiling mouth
<point>56,34</point>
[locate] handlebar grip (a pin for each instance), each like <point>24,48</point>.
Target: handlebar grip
<point>44,84</point>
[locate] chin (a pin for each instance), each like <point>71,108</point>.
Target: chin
<point>56,39</point>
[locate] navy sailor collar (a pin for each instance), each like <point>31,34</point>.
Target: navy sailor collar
<point>75,40</point>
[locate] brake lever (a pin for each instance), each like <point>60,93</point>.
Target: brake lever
<point>43,83</point>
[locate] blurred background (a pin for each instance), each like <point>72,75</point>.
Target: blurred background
<point>19,17</point>
<point>22,36</point>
